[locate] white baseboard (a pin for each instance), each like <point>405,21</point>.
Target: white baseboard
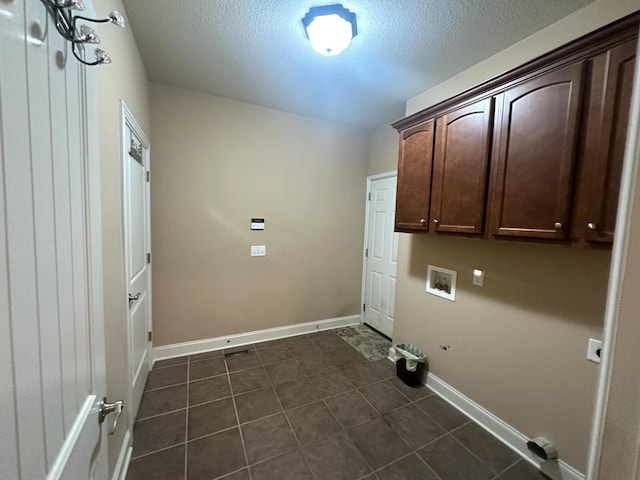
<point>122,465</point>
<point>218,343</point>
<point>512,438</point>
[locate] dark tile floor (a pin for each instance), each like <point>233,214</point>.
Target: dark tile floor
<point>305,408</point>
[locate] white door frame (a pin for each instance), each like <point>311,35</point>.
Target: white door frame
<point>370,179</point>
<point>127,120</point>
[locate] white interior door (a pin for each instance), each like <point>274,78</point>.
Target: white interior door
<point>138,253</point>
<point>52,369</point>
<point>381,255</point>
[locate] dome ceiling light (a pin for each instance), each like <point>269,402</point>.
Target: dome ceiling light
<point>330,28</point>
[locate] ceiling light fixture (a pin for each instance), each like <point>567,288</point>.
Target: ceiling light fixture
<point>330,28</point>
<point>66,22</point>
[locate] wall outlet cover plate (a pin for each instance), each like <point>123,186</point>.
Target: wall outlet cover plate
<point>594,350</point>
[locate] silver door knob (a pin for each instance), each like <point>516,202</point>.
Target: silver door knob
<point>133,298</point>
<point>105,408</point>
<point>436,221</point>
<point>423,221</point>
<point>557,225</point>
<point>591,226</point>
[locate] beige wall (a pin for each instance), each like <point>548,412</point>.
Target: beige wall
<point>518,343</point>
<point>216,164</point>
<point>383,150</point>
<point>124,79</point>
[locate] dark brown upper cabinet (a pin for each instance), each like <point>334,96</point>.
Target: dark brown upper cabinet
<point>536,132</point>
<point>551,134</point>
<point>460,166</point>
<point>607,118</point>
<point>414,178</point>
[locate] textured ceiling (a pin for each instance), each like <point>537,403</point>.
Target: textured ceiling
<point>256,50</point>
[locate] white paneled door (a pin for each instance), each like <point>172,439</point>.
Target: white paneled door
<point>135,154</point>
<point>381,255</point>
<point>52,369</point>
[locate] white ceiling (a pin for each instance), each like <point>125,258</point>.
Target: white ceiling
<point>256,50</point>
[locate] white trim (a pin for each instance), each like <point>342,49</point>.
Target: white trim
<point>616,274</point>
<point>133,124</point>
<point>218,343</point>
<point>370,178</point>
<point>512,438</point>
<point>122,464</point>
<point>392,354</point>
<point>71,441</point>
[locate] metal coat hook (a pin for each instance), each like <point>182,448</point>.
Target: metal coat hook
<point>76,34</point>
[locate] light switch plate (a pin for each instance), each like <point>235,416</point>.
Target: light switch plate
<point>258,250</point>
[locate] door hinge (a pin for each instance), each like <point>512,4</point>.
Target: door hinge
<point>364,306</point>
<point>148,176</point>
<point>148,258</point>
<point>366,253</point>
<point>369,196</point>
<point>150,336</point>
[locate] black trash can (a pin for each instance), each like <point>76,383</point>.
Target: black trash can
<point>410,364</point>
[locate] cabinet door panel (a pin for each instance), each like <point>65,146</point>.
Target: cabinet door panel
<point>606,134</point>
<point>534,160</point>
<point>414,178</point>
<point>460,169</point>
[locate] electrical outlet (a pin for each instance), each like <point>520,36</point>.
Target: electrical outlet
<point>258,250</point>
<point>594,350</point>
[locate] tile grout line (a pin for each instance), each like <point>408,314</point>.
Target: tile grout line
<point>412,452</point>
<point>439,423</point>
<point>343,429</point>
<point>150,417</point>
<point>286,417</point>
<point>415,452</point>
<point>165,386</point>
<point>235,408</point>
<point>295,436</point>
<point>510,466</point>
<point>163,449</point>
<point>495,473</point>
<point>371,404</point>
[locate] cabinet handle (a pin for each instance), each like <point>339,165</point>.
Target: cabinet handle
<point>423,221</point>
<point>591,226</point>
<point>436,221</point>
<point>557,225</point>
